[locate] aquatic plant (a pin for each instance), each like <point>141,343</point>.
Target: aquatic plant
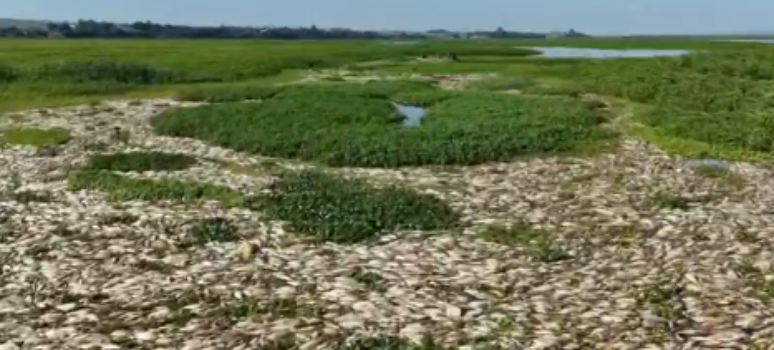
<point>335,209</point>
<point>343,127</point>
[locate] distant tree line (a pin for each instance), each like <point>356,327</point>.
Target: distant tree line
<point>97,29</point>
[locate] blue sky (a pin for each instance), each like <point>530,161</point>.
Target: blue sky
<point>592,16</point>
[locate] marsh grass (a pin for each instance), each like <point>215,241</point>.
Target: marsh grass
<point>425,98</point>
<point>717,102</point>
<point>40,77</point>
<point>121,188</point>
<point>228,93</point>
<point>504,84</point>
<point>689,148</point>
<point>333,209</point>
<point>107,71</point>
<point>711,104</point>
<point>261,91</point>
<point>140,161</point>
<point>8,74</point>
<point>34,136</point>
<point>751,130</point>
<point>353,125</point>
<point>50,90</point>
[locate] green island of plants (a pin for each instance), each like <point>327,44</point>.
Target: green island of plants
<point>354,125</point>
<point>122,188</point>
<point>34,136</point>
<point>140,161</point>
<point>334,209</point>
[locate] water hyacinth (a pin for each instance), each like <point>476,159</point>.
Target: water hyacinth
<point>340,210</point>
<point>339,127</point>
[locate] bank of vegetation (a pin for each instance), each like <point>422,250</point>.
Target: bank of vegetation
<point>715,101</point>
<point>356,125</point>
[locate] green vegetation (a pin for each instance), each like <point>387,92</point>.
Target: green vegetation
<point>349,211</point>
<point>504,84</point>
<point>713,103</point>
<point>716,103</point>
<point>140,161</point>
<point>228,93</point>
<point>353,125</point>
<point>32,71</point>
<point>105,71</point>
<point>425,98</point>
<point>122,188</point>
<point>34,136</point>
<point>252,91</point>
<point>8,74</point>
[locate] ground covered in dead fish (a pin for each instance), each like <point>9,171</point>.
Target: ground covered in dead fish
<point>115,237</point>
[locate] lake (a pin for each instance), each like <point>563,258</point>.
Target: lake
<point>577,52</point>
<point>762,41</point>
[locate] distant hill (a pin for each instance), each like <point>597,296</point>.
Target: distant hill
<point>22,23</point>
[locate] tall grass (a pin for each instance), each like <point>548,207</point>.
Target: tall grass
<point>48,72</point>
<point>237,59</point>
<point>8,74</point>
<point>710,100</point>
<point>108,71</point>
<point>251,91</point>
